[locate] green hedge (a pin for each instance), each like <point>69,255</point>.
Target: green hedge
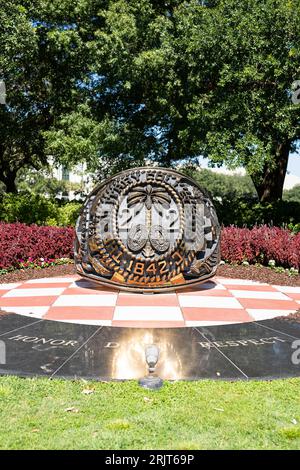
<point>231,209</point>
<point>246,211</point>
<point>66,215</point>
<point>236,201</point>
<point>35,209</point>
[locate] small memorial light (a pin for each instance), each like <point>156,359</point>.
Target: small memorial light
<point>151,381</point>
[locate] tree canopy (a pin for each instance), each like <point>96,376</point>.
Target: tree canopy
<point>40,60</point>
<point>118,83</point>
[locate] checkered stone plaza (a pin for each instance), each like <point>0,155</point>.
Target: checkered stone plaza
<point>216,302</point>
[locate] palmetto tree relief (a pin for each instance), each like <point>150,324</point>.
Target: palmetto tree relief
<point>147,237</point>
<point>148,229</point>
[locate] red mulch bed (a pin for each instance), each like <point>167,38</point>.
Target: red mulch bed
<point>34,273</point>
<point>293,317</point>
<point>262,274</point>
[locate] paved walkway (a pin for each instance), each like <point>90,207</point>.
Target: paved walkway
<point>216,302</point>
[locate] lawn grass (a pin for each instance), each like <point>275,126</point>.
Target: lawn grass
<point>43,414</point>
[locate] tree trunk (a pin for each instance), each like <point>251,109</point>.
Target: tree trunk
<point>270,186</point>
<point>10,181</point>
<point>7,175</point>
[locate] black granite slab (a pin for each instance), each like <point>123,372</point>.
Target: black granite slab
<point>12,322</point>
<point>258,349</point>
<point>285,325</point>
<point>262,350</point>
<point>39,347</point>
<point>118,353</point>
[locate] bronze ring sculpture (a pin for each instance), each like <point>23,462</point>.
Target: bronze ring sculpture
<point>148,230</point>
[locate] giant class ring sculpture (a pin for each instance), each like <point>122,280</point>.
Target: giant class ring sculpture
<point>148,230</point>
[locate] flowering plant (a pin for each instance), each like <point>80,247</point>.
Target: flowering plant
<point>23,246</point>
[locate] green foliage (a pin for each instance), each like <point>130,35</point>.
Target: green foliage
<point>248,112</point>
<point>292,194</point>
<point>294,227</point>
<point>79,137</point>
<point>27,208</point>
<point>248,211</point>
<point>220,185</point>
<point>41,58</point>
<point>66,215</point>
<point>236,201</point>
<point>37,209</point>
<point>115,83</point>
<point>35,182</point>
<point>36,264</point>
<point>18,54</point>
<point>168,82</point>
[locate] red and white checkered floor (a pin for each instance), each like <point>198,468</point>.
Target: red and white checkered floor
<point>219,301</point>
